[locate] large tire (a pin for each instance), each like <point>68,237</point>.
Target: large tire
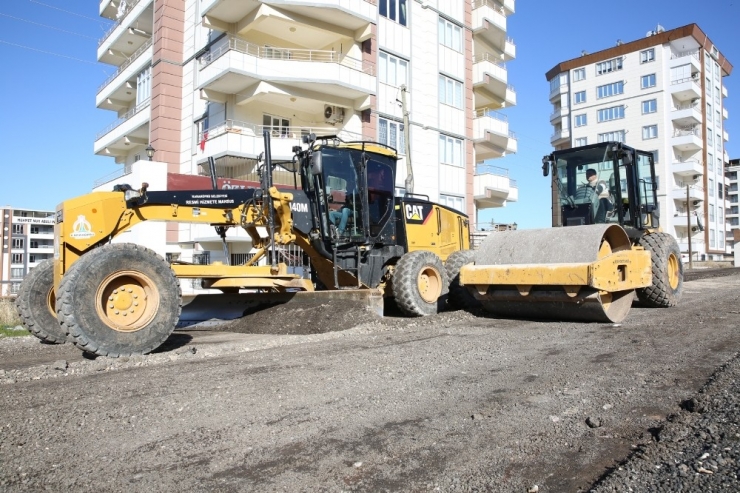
<point>667,271</point>
<point>119,300</point>
<point>36,304</point>
<point>419,283</point>
<point>459,298</point>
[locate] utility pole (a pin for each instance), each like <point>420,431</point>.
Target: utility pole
<point>407,139</point>
<point>688,226</point>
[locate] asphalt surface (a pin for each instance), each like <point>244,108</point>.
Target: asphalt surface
<point>453,402</point>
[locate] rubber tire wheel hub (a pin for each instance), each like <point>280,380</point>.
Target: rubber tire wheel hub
<point>112,280</point>
<point>36,304</point>
<point>667,285</point>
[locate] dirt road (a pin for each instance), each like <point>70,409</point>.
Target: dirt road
<point>452,402</point>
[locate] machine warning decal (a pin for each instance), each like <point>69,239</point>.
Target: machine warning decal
<point>417,213</point>
<point>82,228</point>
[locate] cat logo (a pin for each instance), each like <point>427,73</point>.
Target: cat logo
<point>414,212</point>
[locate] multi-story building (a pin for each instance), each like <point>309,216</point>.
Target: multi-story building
<point>662,93</point>
<point>200,79</point>
<point>732,214</point>
<point>28,238</point>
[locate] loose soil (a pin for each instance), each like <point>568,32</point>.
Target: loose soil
<point>332,399</point>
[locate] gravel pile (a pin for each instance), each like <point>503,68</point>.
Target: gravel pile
<point>697,449</point>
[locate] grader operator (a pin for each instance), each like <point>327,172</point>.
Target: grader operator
<point>362,241</point>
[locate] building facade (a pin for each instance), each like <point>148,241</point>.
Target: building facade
<point>28,238</point>
<point>732,214</point>
<point>662,93</point>
<point>200,79</point>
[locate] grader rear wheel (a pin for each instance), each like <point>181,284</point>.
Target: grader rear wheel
<point>36,304</point>
<point>119,300</point>
<point>419,283</point>
<point>667,271</point>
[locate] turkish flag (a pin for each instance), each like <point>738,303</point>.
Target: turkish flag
<point>203,141</point>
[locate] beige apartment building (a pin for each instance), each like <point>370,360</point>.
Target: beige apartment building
<point>200,79</point>
<point>28,238</point>
<point>661,93</point>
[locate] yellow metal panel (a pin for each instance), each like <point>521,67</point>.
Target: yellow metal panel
<point>221,270</point>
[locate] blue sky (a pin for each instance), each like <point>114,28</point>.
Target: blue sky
<point>49,120</point>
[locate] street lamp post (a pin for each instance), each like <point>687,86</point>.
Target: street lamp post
<point>149,152</point>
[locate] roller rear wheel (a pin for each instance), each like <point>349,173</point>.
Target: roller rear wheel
<point>119,300</point>
<point>667,271</point>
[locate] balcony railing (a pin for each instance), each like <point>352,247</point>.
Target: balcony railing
<point>286,54</point>
<point>491,114</point>
<point>125,170</point>
<point>130,113</point>
<point>681,132</point>
<point>487,169</point>
<point>252,130</point>
<point>686,106</point>
<point>124,11</point>
<point>126,63</point>
<point>682,54</point>
<point>490,3</point>
<point>489,57</point>
<point>693,78</point>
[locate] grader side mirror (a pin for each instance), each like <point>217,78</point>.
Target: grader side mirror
<point>545,165</point>
<point>316,163</point>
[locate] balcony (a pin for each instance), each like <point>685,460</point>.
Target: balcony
<point>128,33</point>
<point>686,114</point>
<point>491,136</point>
<point>490,82</point>
<point>686,89</point>
<point>725,116</point>
<point>724,91</point>
<point>130,129</point>
<point>679,59</point>
<point>489,23</point>
<point>725,136</point>
<point>238,65</point>
<point>560,136</point>
<point>695,195</point>
<point>685,221</point>
<point>493,187</point>
<point>687,139</point>
<point>119,90</point>
<point>688,170</point>
<point>559,113</point>
<point>557,92</point>
<point>351,16</point>
<point>245,140</point>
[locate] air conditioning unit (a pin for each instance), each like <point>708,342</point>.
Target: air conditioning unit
<point>694,229</point>
<point>333,114</point>
<point>696,202</point>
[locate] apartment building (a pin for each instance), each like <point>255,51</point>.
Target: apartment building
<point>200,79</point>
<point>732,214</point>
<point>28,238</point>
<point>662,93</point>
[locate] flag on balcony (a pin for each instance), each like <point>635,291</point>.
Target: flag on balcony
<point>203,141</point>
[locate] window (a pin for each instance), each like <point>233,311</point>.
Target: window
<point>720,190</point>
<point>579,74</point>
<point>650,106</point>
<point>610,89</point>
<point>580,97</point>
<point>710,162</point>
<point>144,85</point>
<point>582,141</point>
<point>710,188</point>
<point>607,114</point>
<point>391,133</point>
<point>17,229</point>
<point>394,10</point>
<point>711,213</point>
<point>647,81</point>
<point>716,94</point>
<point>34,230</point>
<point>17,243</point>
<point>617,136</point>
<point>650,132</point>
<point>392,70</point>
<point>717,119</point>
<point>16,258</point>
<point>457,203</point>
<point>450,150</point>
<point>580,120</point>
<point>647,55</point>
<point>711,238</point>
<point>450,92</point>
<point>609,66</point>
<point>277,126</point>
<point>16,273</point>
<point>710,137</point>
<point>450,35</point>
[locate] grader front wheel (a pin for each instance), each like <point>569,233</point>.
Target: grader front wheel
<point>119,300</point>
<point>419,283</point>
<point>36,304</point>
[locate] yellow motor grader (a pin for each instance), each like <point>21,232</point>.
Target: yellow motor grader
<point>362,240</point>
<point>610,246</point>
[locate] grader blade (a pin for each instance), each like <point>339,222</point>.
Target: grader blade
<point>586,273</point>
<point>213,309</point>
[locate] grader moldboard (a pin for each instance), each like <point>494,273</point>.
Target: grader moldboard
<point>363,242</point>
<point>610,246</point>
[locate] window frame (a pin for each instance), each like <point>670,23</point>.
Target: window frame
<point>609,90</point>
<point>649,55</point>
<point>386,139</point>
<point>579,74</point>
<point>456,33</point>
<point>384,69</point>
<point>458,91</point>
<point>609,66</point>
<point>648,77</point>
<point>576,97</point>
<point>577,120</point>
<point>610,114</point>
<point>384,10</point>
<point>647,134</point>
<point>447,148</point>
<point>654,106</point>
